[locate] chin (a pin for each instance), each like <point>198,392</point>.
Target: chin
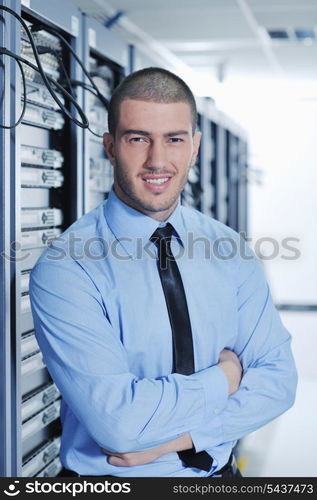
<point>159,205</point>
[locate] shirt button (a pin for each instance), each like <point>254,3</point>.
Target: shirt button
<point>216,411</point>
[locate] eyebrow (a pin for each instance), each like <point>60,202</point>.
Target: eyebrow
<point>147,134</point>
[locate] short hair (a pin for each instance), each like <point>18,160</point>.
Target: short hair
<point>153,85</point>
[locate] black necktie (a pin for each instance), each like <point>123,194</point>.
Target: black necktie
<point>183,351</point>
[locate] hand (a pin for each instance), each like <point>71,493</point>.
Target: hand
<point>146,456</point>
<point>133,458</point>
<point>231,366</point>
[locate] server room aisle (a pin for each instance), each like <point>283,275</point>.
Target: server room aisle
<point>287,446</point>
<point>283,154</point>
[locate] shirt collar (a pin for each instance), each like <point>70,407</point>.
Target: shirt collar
<point>127,224</point>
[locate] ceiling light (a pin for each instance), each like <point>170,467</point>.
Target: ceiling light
<point>304,34</point>
<point>280,34</point>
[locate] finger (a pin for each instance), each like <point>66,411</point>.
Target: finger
<point>119,462</point>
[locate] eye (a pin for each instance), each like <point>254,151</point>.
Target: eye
<point>137,139</point>
<point>175,140</point>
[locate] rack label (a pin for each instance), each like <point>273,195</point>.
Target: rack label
<point>92,38</point>
<point>75,26</point>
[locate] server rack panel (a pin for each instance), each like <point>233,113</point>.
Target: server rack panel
<point>106,58</point>
<point>7,296</point>
<point>213,164</point>
<point>226,145</point>
<point>236,157</point>
<point>232,160</point>
<point>29,344</point>
<point>35,218</point>
<point>34,373</point>
<point>243,187</point>
<point>40,460</point>
<point>28,258</point>
<point>52,469</point>
<point>191,195</point>
<point>206,158</point>
<point>39,399</point>
<point>221,212</point>
<point>36,426</point>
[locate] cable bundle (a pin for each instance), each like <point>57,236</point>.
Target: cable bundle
<point>49,81</point>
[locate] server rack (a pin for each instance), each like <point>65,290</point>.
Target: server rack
<point>206,167</point>
<point>106,57</point>
<point>221,180</point>
<point>191,195</point>
<point>39,170</point>
<point>236,153</point>
<point>224,146</point>
<point>213,130</point>
<point>243,186</point>
<point>7,297</point>
<point>232,161</point>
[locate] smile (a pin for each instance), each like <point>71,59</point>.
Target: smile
<point>157,181</point>
<point>157,184</point>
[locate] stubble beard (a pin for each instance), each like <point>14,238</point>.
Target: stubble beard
<point>132,199</point>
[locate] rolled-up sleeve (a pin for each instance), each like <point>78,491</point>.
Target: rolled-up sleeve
<point>89,364</point>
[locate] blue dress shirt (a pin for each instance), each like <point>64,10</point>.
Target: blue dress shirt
<point>102,325</point>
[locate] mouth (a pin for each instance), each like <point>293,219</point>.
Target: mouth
<point>157,183</point>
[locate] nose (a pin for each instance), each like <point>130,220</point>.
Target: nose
<point>156,156</point>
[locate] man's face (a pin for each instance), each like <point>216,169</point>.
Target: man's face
<point>151,153</point>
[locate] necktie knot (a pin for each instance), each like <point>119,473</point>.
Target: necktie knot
<point>163,234</point>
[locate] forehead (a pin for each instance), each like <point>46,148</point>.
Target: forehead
<point>154,116</point>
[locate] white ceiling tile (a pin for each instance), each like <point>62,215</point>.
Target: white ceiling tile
<point>192,23</point>
<point>215,31</point>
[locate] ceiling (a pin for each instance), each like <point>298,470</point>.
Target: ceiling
<point>220,38</point>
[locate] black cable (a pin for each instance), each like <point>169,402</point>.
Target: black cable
<point>72,83</point>
<point>42,49</point>
<point>20,59</point>
<point>70,48</point>
<point>48,80</point>
<point>90,89</point>
<point>84,123</point>
<point>66,77</point>
<point>7,52</point>
<point>84,85</point>
<point>24,100</point>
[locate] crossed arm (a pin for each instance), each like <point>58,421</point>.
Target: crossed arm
<point>231,366</point>
<point>89,363</point>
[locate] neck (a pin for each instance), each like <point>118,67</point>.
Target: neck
<point>160,216</point>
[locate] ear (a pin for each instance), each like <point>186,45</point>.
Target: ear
<point>196,144</point>
<point>108,144</point>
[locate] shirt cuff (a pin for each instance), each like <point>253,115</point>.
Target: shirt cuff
<point>208,435</point>
<point>216,389</point>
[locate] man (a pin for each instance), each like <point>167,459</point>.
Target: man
<point>155,321</point>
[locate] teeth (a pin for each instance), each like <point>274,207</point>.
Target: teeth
<point>157,181</point>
